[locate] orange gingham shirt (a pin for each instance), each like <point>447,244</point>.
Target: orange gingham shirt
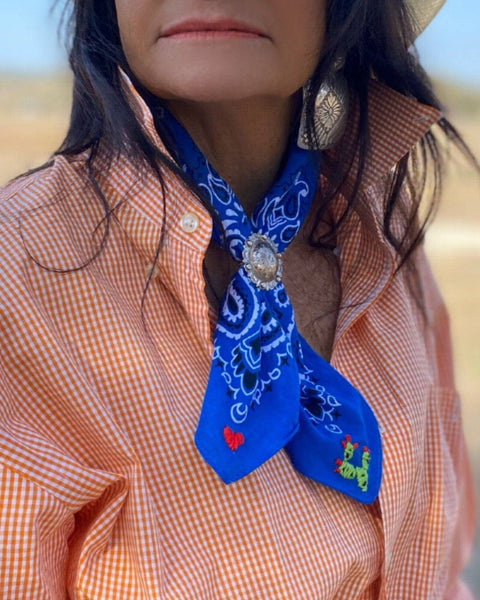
<point>103,494</point>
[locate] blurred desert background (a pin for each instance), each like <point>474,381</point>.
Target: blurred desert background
<point>33,117</point>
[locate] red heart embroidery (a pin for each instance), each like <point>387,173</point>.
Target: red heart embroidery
<point>234,439</point>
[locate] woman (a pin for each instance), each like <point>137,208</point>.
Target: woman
<point>169,429</point>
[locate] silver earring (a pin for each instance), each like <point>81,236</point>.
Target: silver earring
<point>331,112</point>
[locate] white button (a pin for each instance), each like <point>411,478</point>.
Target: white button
<point>189,222</point>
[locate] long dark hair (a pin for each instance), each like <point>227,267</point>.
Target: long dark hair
<point>374,36</point>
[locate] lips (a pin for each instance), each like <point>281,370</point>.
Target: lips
<point>194,27</point>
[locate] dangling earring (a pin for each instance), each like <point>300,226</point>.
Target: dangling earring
<point>331,111</point>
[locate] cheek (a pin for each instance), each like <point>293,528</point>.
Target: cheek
<point>133,28</point>
<point>303,35</point>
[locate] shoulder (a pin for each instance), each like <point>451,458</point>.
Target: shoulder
<point>39,187</point>
<point>37,217</point>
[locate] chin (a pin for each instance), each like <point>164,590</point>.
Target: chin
<point>211,88</point>
<point>212,78</point>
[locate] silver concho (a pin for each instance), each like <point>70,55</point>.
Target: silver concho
<point>262,261</point>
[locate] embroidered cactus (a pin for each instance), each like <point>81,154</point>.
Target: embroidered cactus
<point>349,471</point>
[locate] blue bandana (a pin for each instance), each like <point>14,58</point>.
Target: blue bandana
<point>267,388</point>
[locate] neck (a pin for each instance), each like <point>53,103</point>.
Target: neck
<point>244,141</point>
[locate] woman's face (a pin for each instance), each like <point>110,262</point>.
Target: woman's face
<point>221,50</point>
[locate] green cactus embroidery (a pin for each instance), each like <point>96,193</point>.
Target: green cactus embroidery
<point>349,471</point>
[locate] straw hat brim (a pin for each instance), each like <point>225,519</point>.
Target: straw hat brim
<point>423,12</point>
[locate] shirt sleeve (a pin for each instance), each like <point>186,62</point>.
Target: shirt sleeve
<point>448,405</point>
<point>34,531</point>
<point>45,487</point>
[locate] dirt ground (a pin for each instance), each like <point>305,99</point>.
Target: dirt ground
<point>33,117</point>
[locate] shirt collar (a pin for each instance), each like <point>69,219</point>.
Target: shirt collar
<point>368,262</point>
<point>396,123</point>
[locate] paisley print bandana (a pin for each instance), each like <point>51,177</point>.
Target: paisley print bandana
<point>267,388</point>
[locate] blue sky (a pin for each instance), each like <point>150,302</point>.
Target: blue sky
<point>450,47</point>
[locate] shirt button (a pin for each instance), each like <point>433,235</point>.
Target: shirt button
<point>189,222</point>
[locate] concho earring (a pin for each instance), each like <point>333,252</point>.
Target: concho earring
<point>331,111</point>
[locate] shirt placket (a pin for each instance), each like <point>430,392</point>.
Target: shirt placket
<point>192,229</point>
<point>173,247</point>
